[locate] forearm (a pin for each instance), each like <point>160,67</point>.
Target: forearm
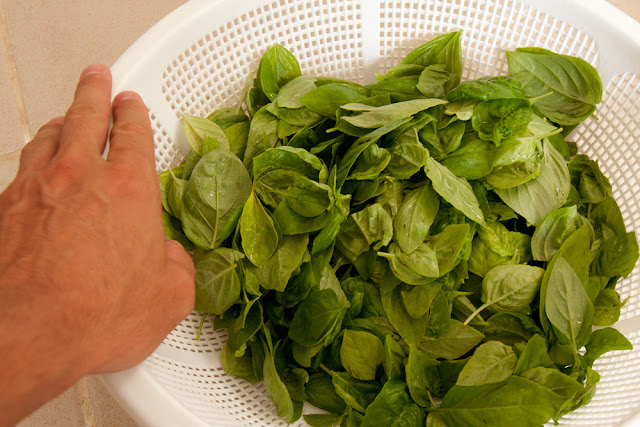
<point>40,357</point>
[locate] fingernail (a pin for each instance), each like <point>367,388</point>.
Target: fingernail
<point>128,94</point>
<point>93,69</point>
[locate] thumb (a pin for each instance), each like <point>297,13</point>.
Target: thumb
<point>181,275</point>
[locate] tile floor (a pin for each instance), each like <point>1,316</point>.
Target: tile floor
<point>44,46</point>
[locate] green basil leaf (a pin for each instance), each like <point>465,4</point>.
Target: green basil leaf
<point>277,270</point>
<point>554,380</point>
<point>277,390</point>
<point>408,155</point>
<point>534,355</point>
<point>412,330</point>
<point>394,355</point>
<point>415,216</point>
<point>393,408</point>
<point>433,81</point>
<point>454,190</point>
<point>218,187</point>
<point>263,134</point>
<point>444,49</point>
<point>361,144</point>
<point>316,317</point>
<point>258,232</point>
<point>326,99</point>
<point>323,420</point>
<point>241,367</point>
<point>374,117</point>
<point>474,158</point>
<point>567,304</point>
<point>510,328</point>
<point>536,198</point>
<point>607,307</point>
<point>511,287</point>
<point>371,163</point>
<point>515,401</point>
<point>361,354</point>
<point>422,375</point>
<point>173,230</point>
<point>499,119</point>
<point>603,341</point>
<point>217,282</point>
<point>569,88</point>
<point>355,393</point>
<point>198,129</point>
<point>576,251</point>
<point>587,178</point>
<point>455,343</point>
<point>321,394</point>
<point>277,67</point>
<point>487,88</point>
<point>554,229</point>
<point>617,256</point>
<point>491,362</point>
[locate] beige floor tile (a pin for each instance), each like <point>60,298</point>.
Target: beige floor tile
<point>65,411</point>
<point>13,137</point>
<point>54,40</point>
<point>630,7</point>
<point>104,409</point>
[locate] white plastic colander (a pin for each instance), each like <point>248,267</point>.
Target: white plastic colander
<point>198,58</point>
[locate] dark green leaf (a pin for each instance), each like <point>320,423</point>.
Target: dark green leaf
<point>259,235</point>
<point>534,355</point>
<point>355,393</point>
<point>277,67</point>
<point>217,282</point>
<point>515,401</point>
<point>415,216</point>
<point>567,304</point>
<point>361,353</point>
<point>218,187</point>
<point>454,190</point>
<point>422,376</point>
<point>569,88</point>
<point>607,308</point>
<point>393,408</point>
<point>491,362</point>
<point>455,343</point>
<point>316,317</point>
<point>603,341</point>
<point>321,393</point>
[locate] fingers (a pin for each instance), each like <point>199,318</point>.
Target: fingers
<point>87,120</point>
<point>38,153</point>
<point>181,275</point>
<point>131,139</point>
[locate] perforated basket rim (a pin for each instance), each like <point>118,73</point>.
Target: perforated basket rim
<point>136,389</point>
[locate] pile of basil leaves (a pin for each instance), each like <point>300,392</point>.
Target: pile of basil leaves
<point>414,251</point>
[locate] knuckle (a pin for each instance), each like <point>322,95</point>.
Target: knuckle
<point>125,178</point>
<point>53,125</point>
<point>63,173</point>
<point>80,112</point>
<point>28,151</point>
<point>124,173</point>
<point>131,129</point>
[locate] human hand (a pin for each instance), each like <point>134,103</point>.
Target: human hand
<point>87,282</point>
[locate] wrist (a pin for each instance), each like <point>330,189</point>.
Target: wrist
<point>41,354</point>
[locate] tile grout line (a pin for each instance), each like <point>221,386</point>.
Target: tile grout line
<point>88,409</point>
<point>13,76</point>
